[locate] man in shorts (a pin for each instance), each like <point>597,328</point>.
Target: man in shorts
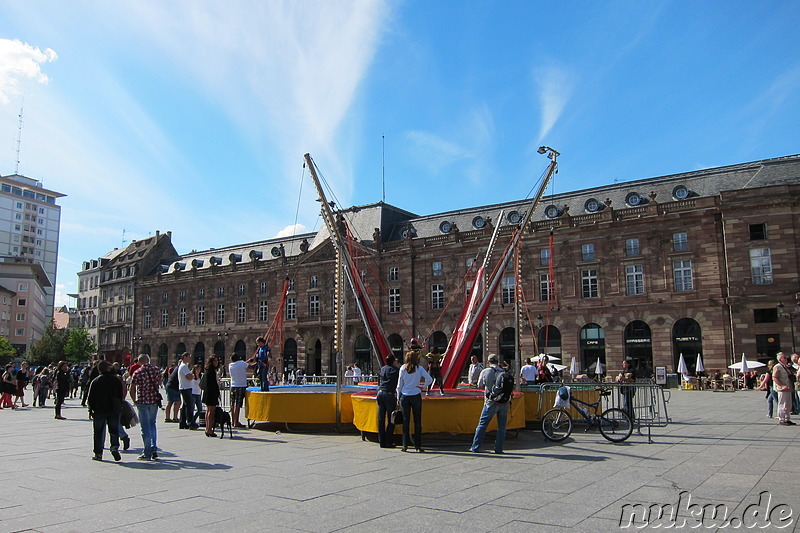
<point>237,370</point>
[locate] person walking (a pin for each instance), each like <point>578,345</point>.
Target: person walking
<point>491,407</point>
<point>237,370</point>
<point>105,406</point>
<point>387,401</point>
<point>9,387</point>
<point>211,394</point>
<point>23,377</point>
<point>145,383</point>
<point>409,391</point>
<point>63,380</point>
<point>783,379</point>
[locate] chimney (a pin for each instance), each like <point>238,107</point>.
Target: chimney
<point>169,235</point>
<point>156,234</point>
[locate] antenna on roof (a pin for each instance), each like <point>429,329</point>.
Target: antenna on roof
<point>383,168</point>
<point>123,237</point>
<point>19,135</point>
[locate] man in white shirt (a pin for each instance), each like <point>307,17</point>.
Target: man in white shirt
<point>528,372</point>
<point>356,374</point>
<point>238,372</point>
<point>185,377</point>
<point>475,370</point>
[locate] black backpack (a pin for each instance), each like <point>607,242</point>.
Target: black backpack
<point>503,387</point>
<point>172,382</point>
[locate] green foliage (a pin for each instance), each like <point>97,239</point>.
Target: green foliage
<point>50,348</point>
<point>7,352</point>
<point>80,345</point>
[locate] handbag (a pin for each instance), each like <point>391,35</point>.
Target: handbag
<point>396,417</point>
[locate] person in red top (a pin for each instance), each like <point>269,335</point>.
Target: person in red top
<point>145,385</point>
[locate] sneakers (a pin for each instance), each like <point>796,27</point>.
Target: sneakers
<point>143,458</point>
<point>97,457</point>
<point>126,443</point>
<point>154,455</point>
<point>116,455</point>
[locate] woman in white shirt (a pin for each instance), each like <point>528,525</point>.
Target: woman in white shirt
<point>409,393</point>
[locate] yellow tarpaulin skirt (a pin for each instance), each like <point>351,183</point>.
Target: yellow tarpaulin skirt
<point>297,407</point>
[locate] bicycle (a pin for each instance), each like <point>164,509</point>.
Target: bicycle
<point>614,424</point>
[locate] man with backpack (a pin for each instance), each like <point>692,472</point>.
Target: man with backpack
<point>499,386</point>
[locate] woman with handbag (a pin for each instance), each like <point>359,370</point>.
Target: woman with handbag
<point>211,393</point>
<point>409,392</point>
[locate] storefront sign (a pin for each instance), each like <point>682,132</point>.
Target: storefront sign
<point>661,375</point>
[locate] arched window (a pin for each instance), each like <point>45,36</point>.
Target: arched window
<point>199,353</point>
<point>146,350</point>
<point>290,354</point>
<point>687,339</point>
<point>314,359</point>
<point>163,355</point>
<point>363,354</point>
<point>506,343</point>
<point>180,349</point>
<point>219,351</point>
<point>396,344</point>
<point>240,349</point>
<point>592,346</point>
<point>639,348</point>
<point>549,339</point>
<point>437,340</point>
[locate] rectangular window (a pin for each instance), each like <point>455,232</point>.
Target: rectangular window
<point>220,292</point>
<point>437,296</point>
<point>241,312</point>
<point>220,313</point>
<point>146,298</point>
<point>147,319</point>
<point>680,243</point>
<point>164,297</point>
<point>509,290</point>
<point>263,311</point>
<point>164,318</point>
<point>182,296</point>
<point>587,252</point>
<point>291,308</point>
<point>761,266</point>
<point>631,247</point>
<point>544,257</point>
<point>313,282</point>
<point>589,283</point>
<point>758,232</point>
<point>291,284</point>
<point>120,313</point>
<point>394,300</point>
<point>765,316</point>
<point>634,280</point>
<point>128,313</point>
<point>201,294</point>
<point>19,332</point>
<point>546,288</point>
<point>313,305</point>
<point>22,287</point>
<point>22,302</point>
<point>241,290</point>
<point>20,316</point>
<point>436,268</point>
<point>682,272</point>
<point>470,263</point>
<point>201,315</point>
<point>182,316</point>
<point>262,287</point>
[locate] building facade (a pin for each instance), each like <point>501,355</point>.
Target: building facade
<point>30,222</point>
<point>29,312</point>
<point>646,270</point>
<point>87,299</point>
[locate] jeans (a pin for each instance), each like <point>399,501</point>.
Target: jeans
<point>387,402</point>
<point>489,410</point>
<point>263,377</point>
<point>147,420</point>
<point>772,396</point>
<point>187,408</point>
<point>99,422</point>
<point>407,404</point>
<point>198,403</point>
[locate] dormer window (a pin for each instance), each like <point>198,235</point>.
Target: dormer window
<point>634,199</point>
<point>552,211</point>
<point>445,227</point>
<point>478,222</point>
<point>592,205</point>
<point>514,217</point>
<point>681,192</point>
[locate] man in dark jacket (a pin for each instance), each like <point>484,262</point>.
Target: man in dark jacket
<point>105,406</point>
<point>387,401</point>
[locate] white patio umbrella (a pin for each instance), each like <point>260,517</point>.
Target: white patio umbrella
<point>682,368</point>
<point>598,367</point>
<point>556,368</point>
<point>573,367</point>
<point>698,367</point>
<point>549,357</point>
<point>746,366</point>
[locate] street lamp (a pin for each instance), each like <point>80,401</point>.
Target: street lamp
<point>790,315</point>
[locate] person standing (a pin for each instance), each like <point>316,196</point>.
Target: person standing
<point>628,376</point>
<point>528,372</point>
<point>237,370</point>
<point>105,405</point>
<point>409,391</point>
<point>185,377</point>
<point>173,394</point>
<point>435,369</point>
<point>62,382</point>
<point>475,369</point>
<point>356,374</point>
<point>766,385</point>
<point>145,383</point>
<point>43,385</point>
<point>262,357</point>
<point>23,378</point>
<point>387,401</point>
<point>487,381</point>
<point>9,387</point>
<point>783,379</point>
<point>211,393</point>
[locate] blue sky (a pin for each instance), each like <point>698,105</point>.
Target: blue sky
<point>194,116</point>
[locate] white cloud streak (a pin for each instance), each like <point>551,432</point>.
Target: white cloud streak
<point>19,60</point>
<point>554,89</point>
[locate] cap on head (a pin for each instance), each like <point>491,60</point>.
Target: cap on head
<point>493,358</point>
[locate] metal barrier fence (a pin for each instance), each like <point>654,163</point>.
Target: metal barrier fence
<point>645,403</point>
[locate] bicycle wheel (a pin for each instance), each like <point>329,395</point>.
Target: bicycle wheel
<point>615,424</point>
<point>556,425</point>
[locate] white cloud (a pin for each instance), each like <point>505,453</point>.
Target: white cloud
<point>294,229</point>
<point>554,89</point>
<point>435,151</point>
<point>20,60</point>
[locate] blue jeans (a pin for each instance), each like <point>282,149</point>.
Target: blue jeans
<point>198,403</point>
<point>386,404</point>
<point>147,419</point>
<point>263,377</point>
<point>409,404</point>
<point>772,396</point>
<point>99,423</point>
<point>489,410</point>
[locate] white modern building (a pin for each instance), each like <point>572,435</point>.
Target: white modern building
<point>30,221</point>
<point>88,295</point>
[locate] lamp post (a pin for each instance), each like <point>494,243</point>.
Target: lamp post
<point>790,315</point>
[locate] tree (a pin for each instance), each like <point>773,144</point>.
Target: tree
<point>50,348</point>
<point>7,352</point>
<point>80,345</point>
